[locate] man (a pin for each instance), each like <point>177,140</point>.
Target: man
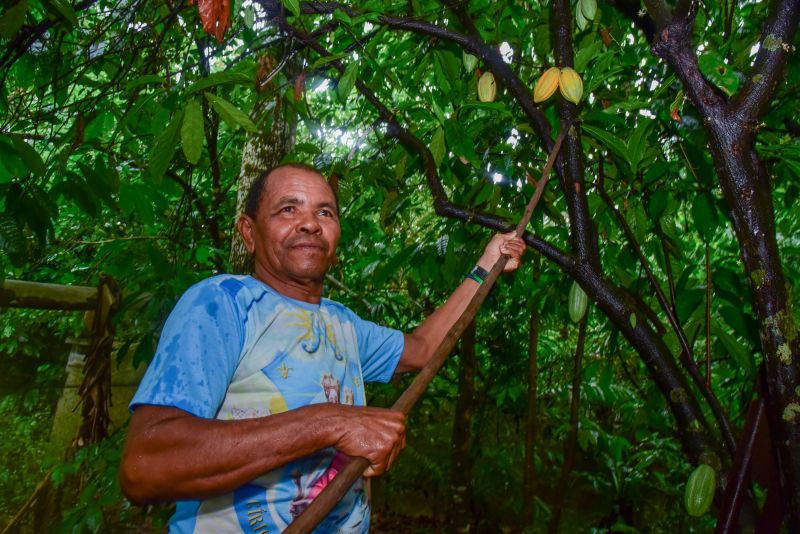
<point>255,396</point>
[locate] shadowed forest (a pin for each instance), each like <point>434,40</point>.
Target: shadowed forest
<point>640,372</point>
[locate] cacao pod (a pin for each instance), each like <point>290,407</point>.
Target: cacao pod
<point>700,490</point>
<point>486,87</point>
<point>588,8</point>
<point>546,84</point>
<point>571,85</point>
<point>578,301</point>
<point>580,20</point>
<point>470,61</point>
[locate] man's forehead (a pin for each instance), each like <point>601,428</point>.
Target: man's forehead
<point>289,182</point>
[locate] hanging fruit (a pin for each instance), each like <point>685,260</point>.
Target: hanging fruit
<point>588,8</point>
<point>470,61</point>
<point>578,301</point>
<point>700,490</point>
<point>571,85</point>
<point>487,89</point>
<point>546,84</point>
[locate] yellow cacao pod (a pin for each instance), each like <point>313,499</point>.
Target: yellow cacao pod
<point>571,85</point>
<point>487,89</point>
<point>546,84</point>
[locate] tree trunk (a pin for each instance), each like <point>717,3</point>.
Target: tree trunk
<point>531,426</point>
<point>261,151</point>
<point>459,509</point>
<point>731,127</point>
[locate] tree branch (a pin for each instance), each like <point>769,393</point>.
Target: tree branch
<point>673,43</point>
<point>777,36</point>
<point>583,236</point>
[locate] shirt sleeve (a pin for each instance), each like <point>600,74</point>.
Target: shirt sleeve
<point>379,349</point>
<point>197,353</point>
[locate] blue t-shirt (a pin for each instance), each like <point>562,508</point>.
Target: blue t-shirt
<point>234,348</point>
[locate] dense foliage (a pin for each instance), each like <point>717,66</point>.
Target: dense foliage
<point>121,133</point>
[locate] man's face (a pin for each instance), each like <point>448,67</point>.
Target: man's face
<point>296,230</point>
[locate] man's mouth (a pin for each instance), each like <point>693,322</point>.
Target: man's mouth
<point>308,245</point>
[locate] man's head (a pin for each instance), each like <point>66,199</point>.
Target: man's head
<point>256,192</point>
<point>291,224</point>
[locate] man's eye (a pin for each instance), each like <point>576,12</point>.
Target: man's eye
<point>287,209</point>
<point>326,213</point>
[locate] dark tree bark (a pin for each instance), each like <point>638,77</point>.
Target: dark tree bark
<point>459,507</point>
<point>731,127</point>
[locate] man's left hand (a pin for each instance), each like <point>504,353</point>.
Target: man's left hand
<point>508,244</point>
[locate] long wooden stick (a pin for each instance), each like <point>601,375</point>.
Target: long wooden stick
<point>341,483</point>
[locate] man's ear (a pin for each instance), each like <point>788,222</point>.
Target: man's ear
<point>246,227</point>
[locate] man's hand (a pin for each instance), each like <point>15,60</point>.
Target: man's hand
<point>508,244</point>
<point>376,434</point>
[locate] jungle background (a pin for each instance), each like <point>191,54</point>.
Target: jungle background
<point>129,130</point>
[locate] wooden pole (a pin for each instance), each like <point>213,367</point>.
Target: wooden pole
<point>341,483</point>
<point>20,294</point>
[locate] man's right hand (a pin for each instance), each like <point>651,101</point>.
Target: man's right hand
<point>377,434</point>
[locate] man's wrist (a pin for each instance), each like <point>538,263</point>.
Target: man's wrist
<point>478,274</point>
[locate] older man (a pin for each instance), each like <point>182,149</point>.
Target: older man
<point>255,396</point>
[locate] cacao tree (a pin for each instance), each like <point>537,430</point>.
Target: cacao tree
<point>125,131</point>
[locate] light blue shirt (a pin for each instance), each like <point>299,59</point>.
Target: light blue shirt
<point>234,348</point>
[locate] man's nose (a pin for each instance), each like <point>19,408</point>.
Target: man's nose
<point>309,224</point>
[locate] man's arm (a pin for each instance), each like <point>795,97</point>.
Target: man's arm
<point>426,338</point>
<point>170,454</point>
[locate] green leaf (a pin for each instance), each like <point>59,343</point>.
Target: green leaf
<point>459,140</point>
<point>325,60</point>
<point>12,240</point>
<point>293,6</point>
<point>636,145</point>
<point>713,67</point>
<point>100,127</point>
<point>192,131</point>
<point>609,140</point>
<point>143,80</point>
<point>164,149</point>
<point>220,78</point>
<point>347,81</point>
<point>12,19</point>
<point>704,216</point>
<point>10,158</point>
<point>63,8</point>
<point>232,115</point>
<point>742,355</point>
<point>29,156</point>
<point>438,148</point>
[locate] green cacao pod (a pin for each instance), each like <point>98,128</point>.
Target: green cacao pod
<point>588,8</point>
<point>700,490</point>
<point>487,89</point>
<point>580,20</point>
<point>577,302</point>
<point>470,61</point>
